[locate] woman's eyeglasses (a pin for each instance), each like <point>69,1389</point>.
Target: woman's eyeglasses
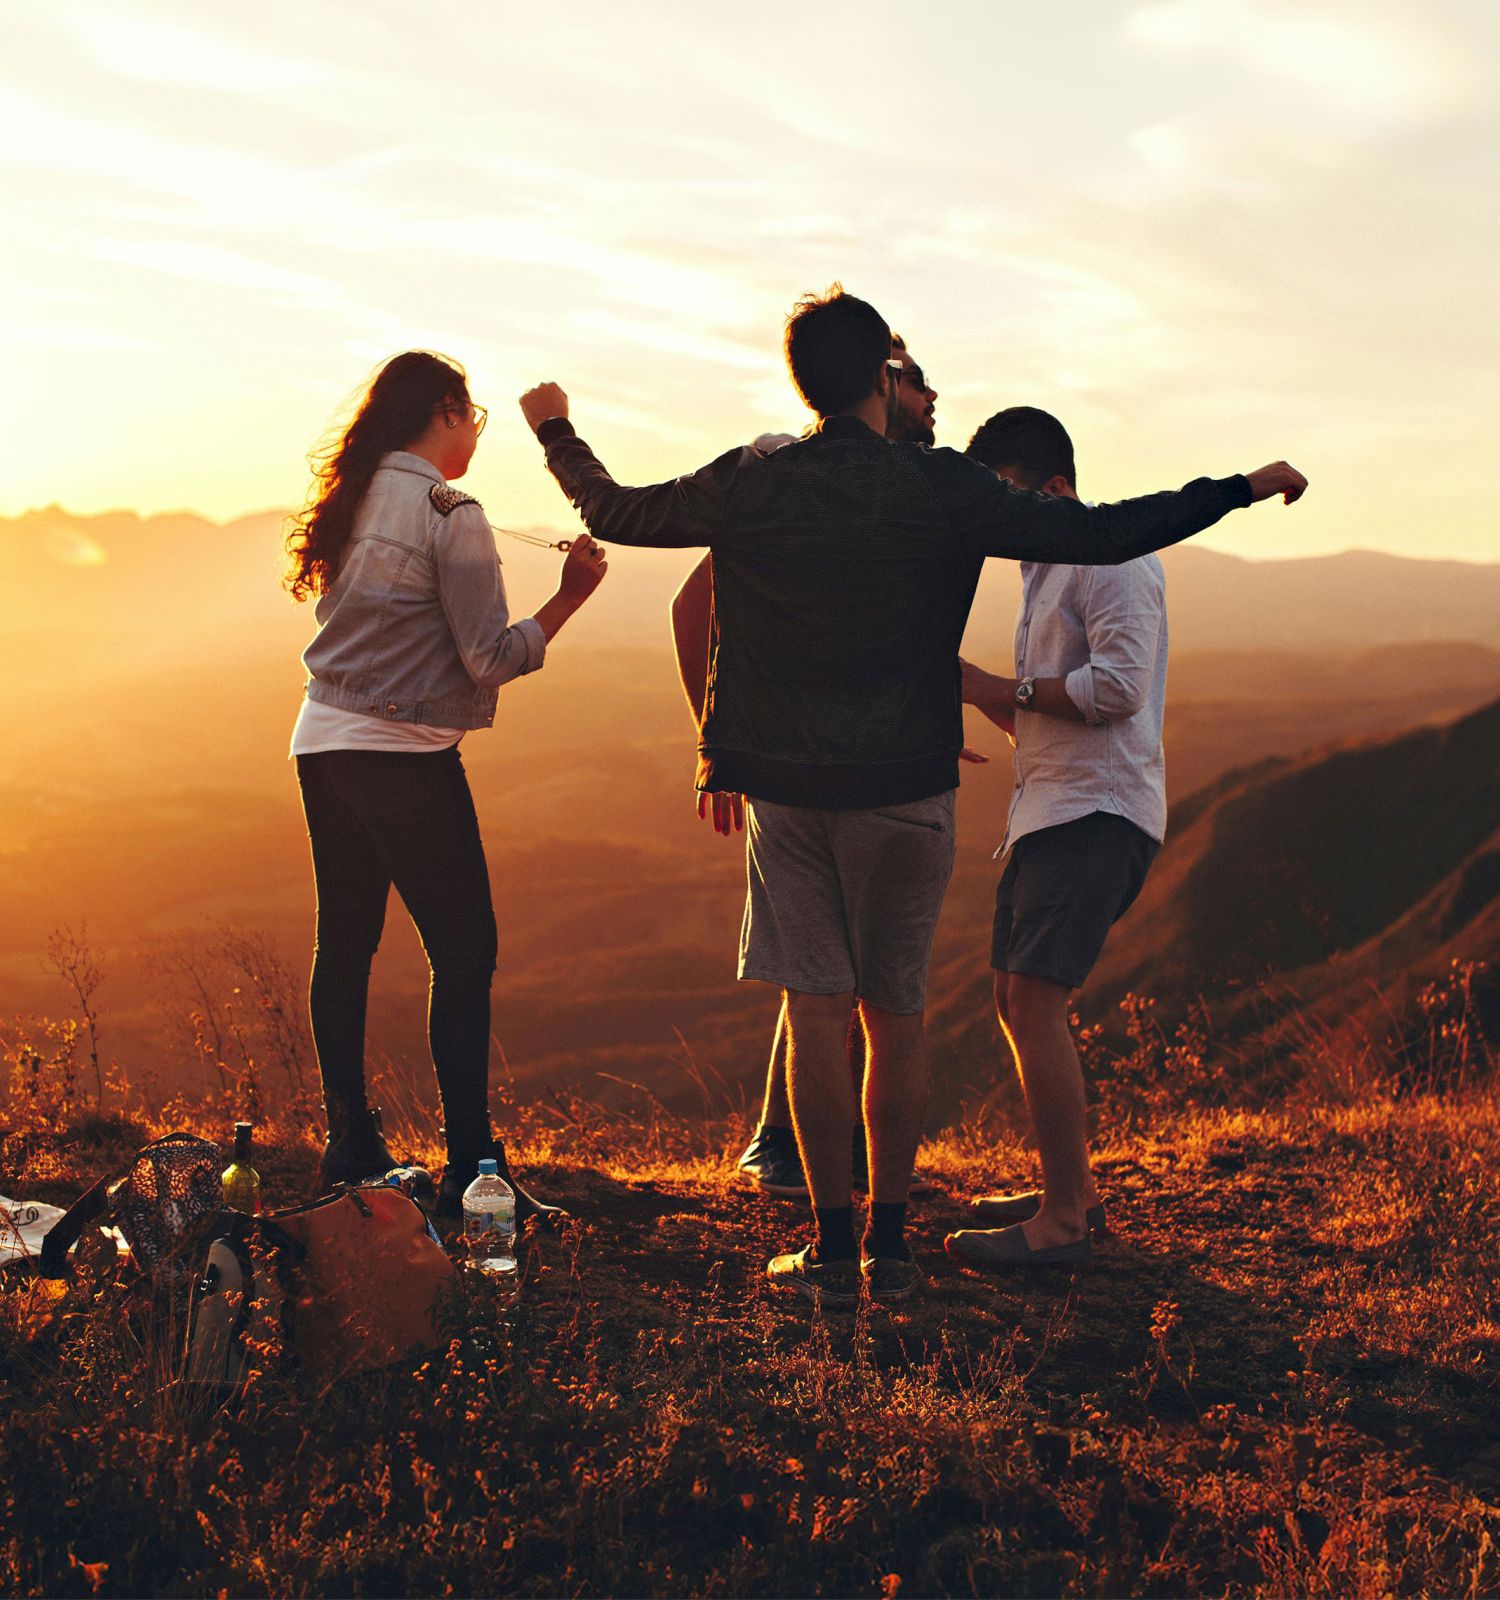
<point>480,414</point>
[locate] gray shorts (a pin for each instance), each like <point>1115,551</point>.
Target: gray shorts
<point>846,900</point>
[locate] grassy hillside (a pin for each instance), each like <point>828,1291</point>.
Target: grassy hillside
<point>1342,870</point>
<point>1279,1378</point>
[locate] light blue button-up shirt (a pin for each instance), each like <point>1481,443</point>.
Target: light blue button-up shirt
<point>1103,630</point>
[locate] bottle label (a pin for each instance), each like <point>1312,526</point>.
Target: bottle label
<point>492,1222</point>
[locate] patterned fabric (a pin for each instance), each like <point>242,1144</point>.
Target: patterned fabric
<point>171,1189</point>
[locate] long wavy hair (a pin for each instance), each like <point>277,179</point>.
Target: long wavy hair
<point>394,411</point>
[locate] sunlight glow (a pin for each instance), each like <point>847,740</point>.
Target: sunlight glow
<point>1198,196</point>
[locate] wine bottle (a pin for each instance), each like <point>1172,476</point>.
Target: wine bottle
<point>241,1181</point>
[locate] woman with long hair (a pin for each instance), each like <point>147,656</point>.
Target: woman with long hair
<point>414,640</point>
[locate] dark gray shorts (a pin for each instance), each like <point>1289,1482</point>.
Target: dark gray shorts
<point>846,901</point>
<point>1062,891</point>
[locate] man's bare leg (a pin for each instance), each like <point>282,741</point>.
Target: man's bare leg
<point>1034,1014</point>
<point>823,1108</point>
<point>897,1078</point>
<point>775,1106</point>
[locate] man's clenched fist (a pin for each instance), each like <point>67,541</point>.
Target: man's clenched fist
<point>542,403</point>
<point>1278,478</point>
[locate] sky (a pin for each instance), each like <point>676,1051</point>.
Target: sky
<point>1205,233</point>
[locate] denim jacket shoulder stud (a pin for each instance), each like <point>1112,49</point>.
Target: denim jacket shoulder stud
<point>445,498</point>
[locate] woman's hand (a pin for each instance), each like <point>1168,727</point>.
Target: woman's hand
<point>583,569</point>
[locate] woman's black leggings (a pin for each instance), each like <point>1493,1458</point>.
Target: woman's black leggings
<point>377,818</point>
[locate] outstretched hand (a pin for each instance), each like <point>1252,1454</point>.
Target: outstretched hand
<point>728,811</point>
<point>542,404</point>
<point>1278,478</point>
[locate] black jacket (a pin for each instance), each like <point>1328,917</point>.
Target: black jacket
<point>844,568</point>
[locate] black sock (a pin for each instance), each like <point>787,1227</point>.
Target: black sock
<point>782,1138</point>
<point>886,1234</point>
<point>835,1233</point>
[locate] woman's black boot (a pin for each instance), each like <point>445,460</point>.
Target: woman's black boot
<point>355,1149</point>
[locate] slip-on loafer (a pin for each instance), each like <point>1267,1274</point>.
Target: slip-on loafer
<point>997,1210</point>
<point>1001,1249</point>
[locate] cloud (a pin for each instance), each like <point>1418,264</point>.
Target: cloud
<point>132,43</point>
<point>208,263</point>
<point>674,340</point>
<point>1372,65</point>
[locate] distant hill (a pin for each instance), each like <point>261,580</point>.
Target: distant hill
<point>1319,890</point>
<point>169,584</point>
<point>149,679</point>
<point>1350,871</point>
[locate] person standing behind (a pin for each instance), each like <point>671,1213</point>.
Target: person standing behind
<point>1087,816</point>
<point>414,641</point>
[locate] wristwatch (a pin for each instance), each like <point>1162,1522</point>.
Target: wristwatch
<point>1025,693</point>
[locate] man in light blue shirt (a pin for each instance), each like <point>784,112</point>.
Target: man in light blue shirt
<point>1087,816</point>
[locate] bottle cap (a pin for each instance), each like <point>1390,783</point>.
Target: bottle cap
<point>242,1128</point>
<point>489,1168</point>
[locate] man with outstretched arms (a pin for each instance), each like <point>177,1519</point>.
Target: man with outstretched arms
<point>844,568</point>
<point>771,1162</point>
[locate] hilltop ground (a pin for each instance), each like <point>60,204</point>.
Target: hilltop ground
<point>1279,1378</point>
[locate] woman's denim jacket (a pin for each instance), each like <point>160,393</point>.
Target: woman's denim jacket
<point>415,627</point>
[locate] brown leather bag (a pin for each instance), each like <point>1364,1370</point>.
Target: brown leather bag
<point>368,1289</point>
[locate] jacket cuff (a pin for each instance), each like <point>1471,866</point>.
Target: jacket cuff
<point>536,643</point>
<point>555,428</point>
<point>1238,486</point>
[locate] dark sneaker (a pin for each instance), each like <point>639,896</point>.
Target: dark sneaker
<point>889,1279</point>
<point>829,1283</point>
<point>771,1163</point>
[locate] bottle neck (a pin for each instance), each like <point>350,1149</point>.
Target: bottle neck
<point>242,1137</point>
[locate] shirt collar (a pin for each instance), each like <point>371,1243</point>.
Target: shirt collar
<point>846,427</point>
<point>406,461</point>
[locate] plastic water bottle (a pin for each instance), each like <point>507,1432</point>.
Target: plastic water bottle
<point>490,1225</point>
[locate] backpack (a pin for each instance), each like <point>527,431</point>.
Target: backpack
<point>350,1282</point>
<point>239,1304</point>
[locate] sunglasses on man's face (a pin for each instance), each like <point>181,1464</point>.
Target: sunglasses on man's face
<point>912,374</point>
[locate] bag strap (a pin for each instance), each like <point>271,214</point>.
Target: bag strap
<point>281,1239</point>
<point>68,1229</point>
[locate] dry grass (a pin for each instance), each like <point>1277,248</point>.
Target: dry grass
<point>1280,1378</point>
